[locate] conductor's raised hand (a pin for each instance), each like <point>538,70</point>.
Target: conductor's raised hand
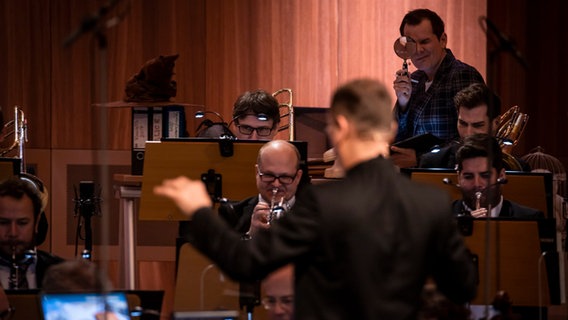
<point>189,195</point>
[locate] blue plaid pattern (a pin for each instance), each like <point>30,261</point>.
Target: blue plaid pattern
<point>434,111</point>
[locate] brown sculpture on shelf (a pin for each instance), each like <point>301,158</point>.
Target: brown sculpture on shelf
<point>154,81</point>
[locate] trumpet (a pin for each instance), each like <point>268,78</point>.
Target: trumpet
<point>478,200</point>
<point>277,209</point>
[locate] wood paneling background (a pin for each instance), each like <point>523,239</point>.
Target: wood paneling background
<point>229,46</point>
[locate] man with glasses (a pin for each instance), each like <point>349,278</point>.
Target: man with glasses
<point>278,294</point>
<point>256,116</point>
<point>363,246</point>
<point>278,174</point>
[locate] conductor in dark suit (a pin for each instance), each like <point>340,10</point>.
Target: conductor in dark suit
<point>362,246</point>
<point>480,176</point>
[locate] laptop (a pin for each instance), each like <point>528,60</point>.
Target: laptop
<point>206,315</point>
<point>84,306</point>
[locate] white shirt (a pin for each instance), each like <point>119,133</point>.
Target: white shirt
<point>30,275</point>
<point>494,211</point>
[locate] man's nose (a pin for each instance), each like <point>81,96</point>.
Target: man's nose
<point>468,131</point>
<point>479,182</point>
<point>13,230</point>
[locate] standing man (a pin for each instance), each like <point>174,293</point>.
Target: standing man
<point>480,175</point>
<point>362,246</point>
<point>256,115</point>
<point>20,208</point>
<point>425,97</point>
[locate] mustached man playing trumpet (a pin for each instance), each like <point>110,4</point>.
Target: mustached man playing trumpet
<point>481,184</point>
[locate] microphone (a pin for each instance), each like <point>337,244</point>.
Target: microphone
<point>449,181</point>
<point>505,43</point>
<point>90,22</point>
<point>86,206</point>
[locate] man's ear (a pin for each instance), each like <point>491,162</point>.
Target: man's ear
<point>444,40</point>
<point>502,174</point>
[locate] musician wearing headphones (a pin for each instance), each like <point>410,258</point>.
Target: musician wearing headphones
<point>481,184</point>
<point>22,228</point>
<point>256,115</point>
<point>478,112</point>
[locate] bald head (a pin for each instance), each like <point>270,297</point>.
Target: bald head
<point>279,148</point>
<point>278,158</point>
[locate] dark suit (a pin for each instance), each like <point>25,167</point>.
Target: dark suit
<point>445,158</point>
<point>509,209</point>
<point>238,215</point>
<point>44,260</point>
<point>362,246</point>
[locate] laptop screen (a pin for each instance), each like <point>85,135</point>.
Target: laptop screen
<point>206,315</point>
<point>79,306</point>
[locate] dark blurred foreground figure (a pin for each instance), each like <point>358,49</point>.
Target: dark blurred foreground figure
<point>75,276</point>
<point>363,246</point>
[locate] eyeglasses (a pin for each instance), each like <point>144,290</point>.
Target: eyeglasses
<point>248,130</point>
<point>269,177</point>
<point>8,313</point>
<point>286,302</point>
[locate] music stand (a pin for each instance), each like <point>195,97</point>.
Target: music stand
<point>531,189</point>
<point>9,167</point>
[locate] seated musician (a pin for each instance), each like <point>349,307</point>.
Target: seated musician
<point>478,112</point>
<point>22,228</point>
<point>481,184</point>
<point>256,115</point>
<point>278,175</point>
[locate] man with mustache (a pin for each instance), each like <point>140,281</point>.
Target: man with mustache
<point>20,209</point>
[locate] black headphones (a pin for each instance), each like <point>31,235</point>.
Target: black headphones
<point>41,224</point>
<point>214,130</point>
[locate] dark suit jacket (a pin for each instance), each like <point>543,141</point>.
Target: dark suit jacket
<point>362,246</point>
<point>509,209</point>
<point>44,261</point>
<point>238,214</point>
<point>445,158</point>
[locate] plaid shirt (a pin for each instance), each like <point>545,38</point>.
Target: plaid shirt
<point>434,111</point>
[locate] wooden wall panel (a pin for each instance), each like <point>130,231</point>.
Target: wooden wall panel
<point>368,30</point>
<point>26,65</point>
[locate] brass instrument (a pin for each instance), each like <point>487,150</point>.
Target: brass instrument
<point>289,112</point>
<point>20,132</point>
<point>510,127</point>
<point>276,207</point>
<point>478,200</point>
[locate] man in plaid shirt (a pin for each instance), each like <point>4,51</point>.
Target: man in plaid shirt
<point>425,97</point>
